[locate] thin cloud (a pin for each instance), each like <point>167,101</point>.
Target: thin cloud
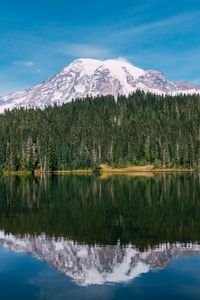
<point>167,23</point>
<point>124,59</point>
<point>83,50</point>
<point>23,63</point>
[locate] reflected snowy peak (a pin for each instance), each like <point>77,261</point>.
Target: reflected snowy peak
<point>88,265</point>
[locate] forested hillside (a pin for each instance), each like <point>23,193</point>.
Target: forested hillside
<point>138,130</point>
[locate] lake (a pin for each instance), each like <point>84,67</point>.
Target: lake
<point>100,237</point>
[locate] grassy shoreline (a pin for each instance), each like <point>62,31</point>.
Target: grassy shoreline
<point>16,173</point>
<point>105,169</point>
<point>141,169</point>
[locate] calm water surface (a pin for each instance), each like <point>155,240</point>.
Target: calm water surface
<point>92,237</point>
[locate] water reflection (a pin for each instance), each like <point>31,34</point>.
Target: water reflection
<point>88,265</point>
<point>102,230</point>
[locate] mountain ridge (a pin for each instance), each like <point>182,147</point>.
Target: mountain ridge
<point>91,77</point>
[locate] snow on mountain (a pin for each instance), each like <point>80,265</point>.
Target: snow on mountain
<point>95,77</point>
<point>88,265</point>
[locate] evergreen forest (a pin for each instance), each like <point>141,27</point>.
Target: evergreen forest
<point>137,130</point>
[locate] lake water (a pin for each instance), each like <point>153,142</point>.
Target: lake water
<point>100,237</point>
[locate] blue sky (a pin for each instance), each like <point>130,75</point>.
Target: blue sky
<point>38,38</point>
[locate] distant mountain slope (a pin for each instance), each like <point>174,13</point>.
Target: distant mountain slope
<point>85,77</point>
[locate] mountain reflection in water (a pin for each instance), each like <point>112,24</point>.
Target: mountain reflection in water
<point>101,230</point>
<point>97,264</point>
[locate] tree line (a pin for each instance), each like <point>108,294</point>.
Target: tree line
<point>140,129</point>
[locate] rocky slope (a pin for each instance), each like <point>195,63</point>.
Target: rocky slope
<point>95,77</point>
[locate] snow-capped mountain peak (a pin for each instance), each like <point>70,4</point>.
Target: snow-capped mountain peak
<point>94,77</point>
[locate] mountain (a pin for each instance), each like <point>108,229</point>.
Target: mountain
<point>88,265</point>
<point>93,77</point>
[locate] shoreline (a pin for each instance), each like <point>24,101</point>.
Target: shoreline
<point>104,169</point>
<point>141,169</point>
<point>16,173</point>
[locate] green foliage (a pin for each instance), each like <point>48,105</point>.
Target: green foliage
<point>140,129</point>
